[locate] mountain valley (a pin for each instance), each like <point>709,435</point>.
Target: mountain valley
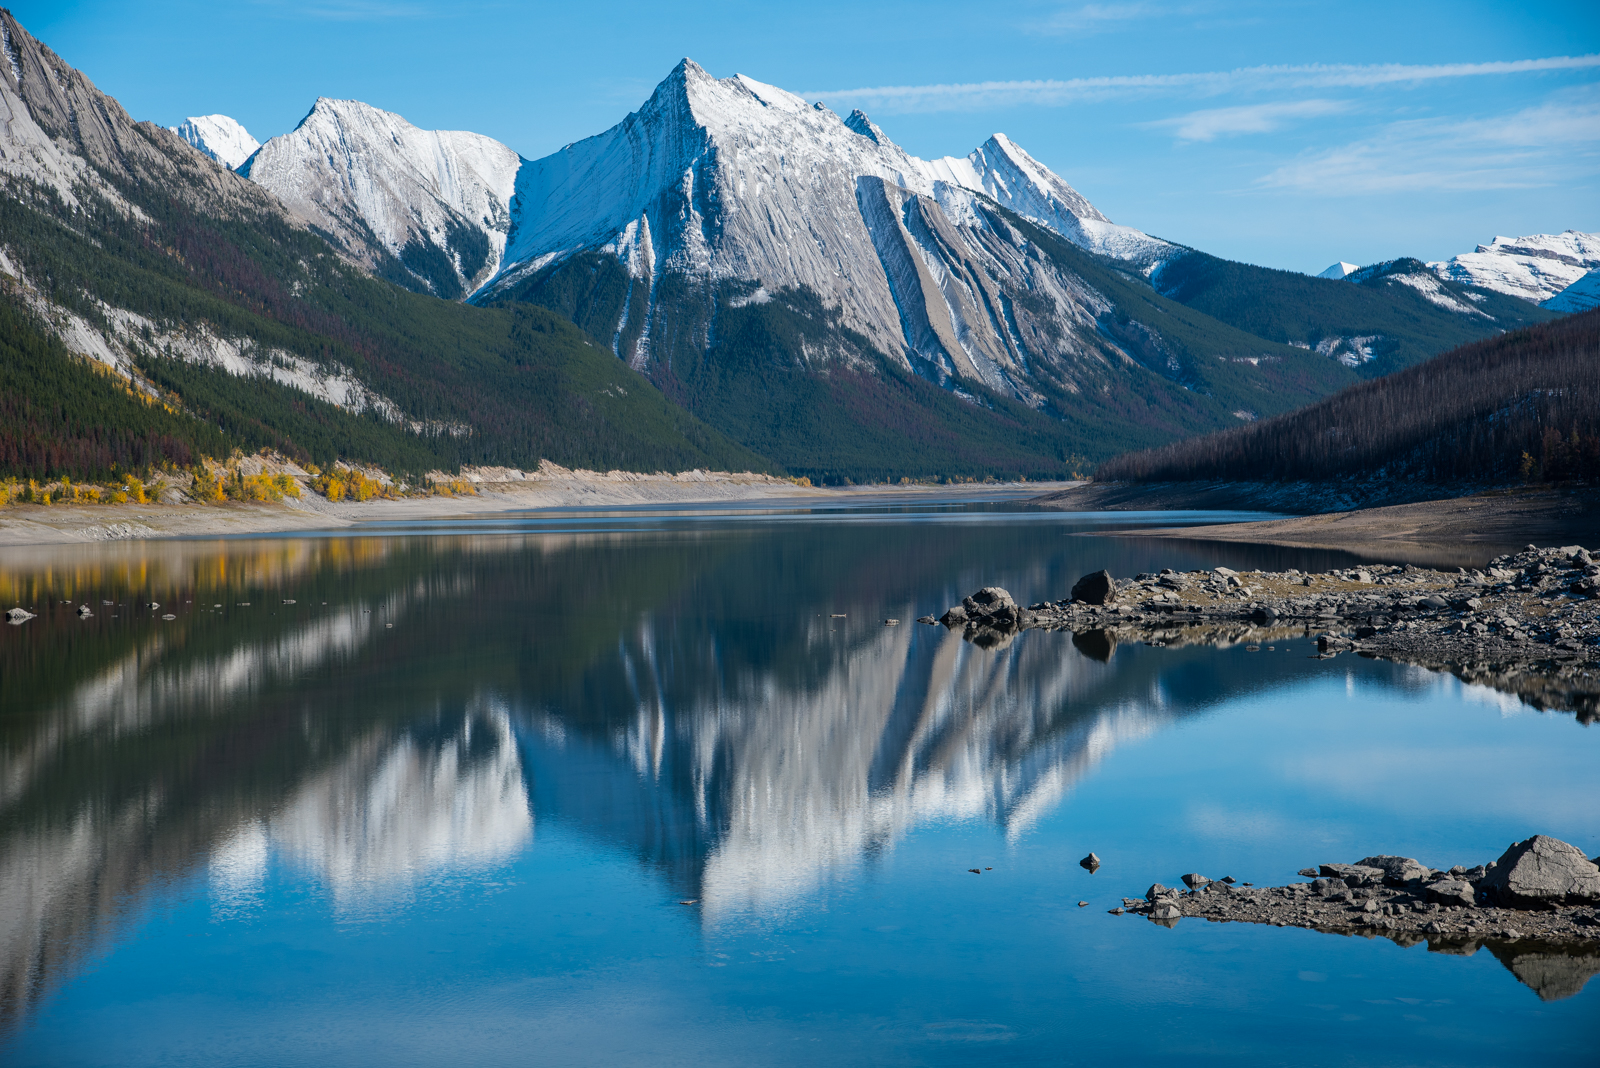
<point>780,288</point>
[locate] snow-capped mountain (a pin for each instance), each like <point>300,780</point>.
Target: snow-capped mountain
<point>733,182</point>
<point>436,201</point>
<point>1535,268</point>
<point>219,137</point>
<point>1340,270</point>
<point>1579,296</point>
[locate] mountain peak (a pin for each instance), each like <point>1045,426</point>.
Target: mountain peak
<point>864,126</point>
<point>220,137</point>
<point>1535,267</point>
<point>430,207</point>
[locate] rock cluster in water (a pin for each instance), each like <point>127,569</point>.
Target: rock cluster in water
<point>1537,908</point>
<point>1540,889</point>
<point>1528,622</point>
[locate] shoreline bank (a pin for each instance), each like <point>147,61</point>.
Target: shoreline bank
<point>1468,529</point>
<point>65,524</point>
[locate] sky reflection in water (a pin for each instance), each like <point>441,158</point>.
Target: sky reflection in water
<point>450,815</point>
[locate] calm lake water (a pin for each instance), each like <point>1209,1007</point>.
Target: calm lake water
<point>661,788</point>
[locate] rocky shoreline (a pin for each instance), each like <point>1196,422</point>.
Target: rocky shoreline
<point>1539,900</point>
<point>1528,623</point>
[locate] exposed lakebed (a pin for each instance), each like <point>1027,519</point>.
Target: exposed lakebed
<point>665,788</point>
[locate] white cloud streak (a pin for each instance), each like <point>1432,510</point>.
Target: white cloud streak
<point>1094,18</point>
<point>1553,144</point>
<point>1213,123</point>
<point>973,96</point>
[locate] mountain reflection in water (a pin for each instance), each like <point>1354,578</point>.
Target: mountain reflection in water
<point>728,707</point>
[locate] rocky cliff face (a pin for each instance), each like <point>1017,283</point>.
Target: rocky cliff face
<point>436,201</point>
<point>734,190</point>
<point>59,131</point>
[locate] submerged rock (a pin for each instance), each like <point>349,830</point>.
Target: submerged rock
<point>1091,863</point>
<point>18,615</point>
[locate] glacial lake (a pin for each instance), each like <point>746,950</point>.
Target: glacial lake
<point>661,787</point>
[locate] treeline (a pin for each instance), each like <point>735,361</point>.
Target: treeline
<point>528,385</point>
<point>1524,405</point>
<point>62,417</point>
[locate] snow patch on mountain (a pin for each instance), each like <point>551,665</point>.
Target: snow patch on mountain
<point>1434,293</point>
<point>1002,171</point>
<point>438,201</point>
<point>1340,270</point>
<point>1535,267</point>
<point>220,137</point>
<point>732,179</point>
<point>1579,296</point>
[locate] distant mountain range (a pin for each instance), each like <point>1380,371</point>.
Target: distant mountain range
<point>1555,271</point>
<point>801,291</point>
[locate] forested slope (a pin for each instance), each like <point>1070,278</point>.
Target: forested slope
<point>193,284</point>
<point>1380,309</point>
<point>1525,405</point>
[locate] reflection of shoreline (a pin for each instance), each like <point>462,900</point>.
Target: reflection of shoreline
<point>27,526</point>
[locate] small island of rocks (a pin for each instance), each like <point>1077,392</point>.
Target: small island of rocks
<point>1528,623</point>
<point>1540,899</point>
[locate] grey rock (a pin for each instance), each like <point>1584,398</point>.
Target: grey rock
<point>1453,893</point>
<point>927,619</point>
<point>988,601</point>
<point>1309,872</point>
<point>1091,863</point>
<point>18,615</point>
<point>1397,871</point>
<point>1354,874</point>
<point>955,617</point>
<point>84,611</point>
<point>1166,912</point>
<point>1096,588</point>
<point>1433,601</point>
<point>1116,911</point>
<point>1193,880</point>
<point>1542,872</point>
<point>1157,892</point>
<point>1264,616</point>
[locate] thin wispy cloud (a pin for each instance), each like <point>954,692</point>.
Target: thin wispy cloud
<point>1212,123</point>
<point>1094,18</point>
<point>972,96</point>
<point>1551,144</point>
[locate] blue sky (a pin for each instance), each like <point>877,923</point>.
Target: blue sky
<point>1288,134</point>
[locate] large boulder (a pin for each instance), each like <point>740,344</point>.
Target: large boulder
<point>1097,588</point>
<point>1397,871</point>
<point>1542,872</point>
